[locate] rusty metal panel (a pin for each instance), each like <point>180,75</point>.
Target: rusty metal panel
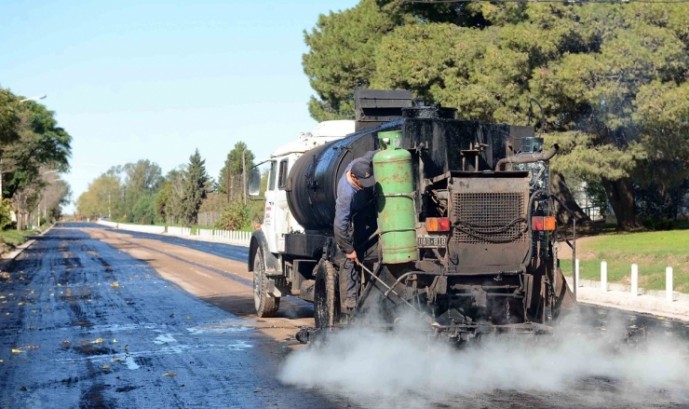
<point>489,216</point>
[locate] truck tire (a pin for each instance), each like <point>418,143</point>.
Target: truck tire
<point>266,305</point>
<point>326,306</point>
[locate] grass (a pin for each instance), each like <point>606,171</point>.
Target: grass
<point>13,238</point>
<point>651,251</point>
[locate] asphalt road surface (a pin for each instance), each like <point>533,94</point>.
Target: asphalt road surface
<point>96,318</point>
<point>84,325</point>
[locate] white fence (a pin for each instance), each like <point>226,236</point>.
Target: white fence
<point>634,279</point>
<point>237,238</point>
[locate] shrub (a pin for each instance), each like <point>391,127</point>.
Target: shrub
<point>5,214</point>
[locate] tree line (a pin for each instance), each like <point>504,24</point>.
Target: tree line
<point>34,151</point>
<point>607,82</point>
<point>139,193</point>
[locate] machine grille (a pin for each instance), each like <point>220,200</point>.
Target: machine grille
<point>489,217</point>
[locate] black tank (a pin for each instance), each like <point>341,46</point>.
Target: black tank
<point>312,183</point>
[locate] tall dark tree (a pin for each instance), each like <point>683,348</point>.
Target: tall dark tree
<point>196,187</point>
<point>581,72</point>
<point>341,57</point>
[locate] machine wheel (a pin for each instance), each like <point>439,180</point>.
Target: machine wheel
<point>266,305</point>
<point>326,305</point>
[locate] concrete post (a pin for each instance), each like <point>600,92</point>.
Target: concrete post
<point>604,276</point>
<point>635,280</point>
<point>668,284</point>
<point>576,272</point>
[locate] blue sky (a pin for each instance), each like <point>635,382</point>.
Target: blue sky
<point>155,80</point>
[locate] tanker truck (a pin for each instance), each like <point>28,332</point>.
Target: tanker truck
<point>461,228</point>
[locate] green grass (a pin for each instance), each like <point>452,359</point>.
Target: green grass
<point>651,251</point>
<point>13,238</point>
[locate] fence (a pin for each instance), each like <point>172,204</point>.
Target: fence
<point>237,238</point>
<point>634,278</point>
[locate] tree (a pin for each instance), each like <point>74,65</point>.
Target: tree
<point>168,201</point>
<point>9,118</point>
<point>102,197</point>
<point>54,195</point>
<point>231,177</point>
<point>341,57</point>
<point>141,182</point>
<point>587,67</point>
<point>125,192</point>
<point>41,143</point>
<point>196,186</point>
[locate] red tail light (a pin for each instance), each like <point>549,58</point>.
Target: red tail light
<point>543,223</point>
<point>437,224</point>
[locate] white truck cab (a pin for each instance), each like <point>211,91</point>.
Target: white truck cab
<point>277,219</point>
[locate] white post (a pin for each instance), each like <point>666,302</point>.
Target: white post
<point>576,272</point>
<point>635,280</point>
<point>668,284</point>
<point>604,276</point>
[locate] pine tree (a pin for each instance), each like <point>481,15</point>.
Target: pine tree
<point>196,187</point>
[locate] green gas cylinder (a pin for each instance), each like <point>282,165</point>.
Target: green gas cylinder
<point>392,168</point>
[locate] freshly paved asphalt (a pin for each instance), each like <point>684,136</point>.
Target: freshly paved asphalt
<point>86,326</point>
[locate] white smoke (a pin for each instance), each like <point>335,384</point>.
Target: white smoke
<point>405,367</point>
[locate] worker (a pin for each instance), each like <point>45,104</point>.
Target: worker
<point>353,194</point>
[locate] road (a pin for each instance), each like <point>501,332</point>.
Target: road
<point>96,318</point>
<point>86,325</point>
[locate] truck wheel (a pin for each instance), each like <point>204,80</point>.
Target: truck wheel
<point>266,305</point>
<point>320,304</point>
<point>326,303</point>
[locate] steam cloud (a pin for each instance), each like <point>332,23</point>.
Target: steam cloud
<point>406,368</point>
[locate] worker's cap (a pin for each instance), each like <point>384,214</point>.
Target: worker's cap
<point>363,170</point>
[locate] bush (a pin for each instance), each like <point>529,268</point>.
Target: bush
<point>236,216</point>
<point>5,214</point>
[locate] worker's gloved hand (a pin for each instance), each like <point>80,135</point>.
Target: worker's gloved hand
<point>352,256</point>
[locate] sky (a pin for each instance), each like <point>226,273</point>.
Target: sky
<point>146,79</point>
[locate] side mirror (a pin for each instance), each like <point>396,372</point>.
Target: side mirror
<point>254,181</point>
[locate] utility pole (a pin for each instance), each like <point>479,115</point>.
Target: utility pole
<point>227,179</point>
<point>244,175</point>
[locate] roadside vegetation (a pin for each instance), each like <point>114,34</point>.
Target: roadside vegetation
<point>186,196</point>
<point>34,152</point>
<point>607,81</point>
<point>10,239</point>
<point>651,251</point>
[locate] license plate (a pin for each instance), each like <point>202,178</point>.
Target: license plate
<point>431,241</point>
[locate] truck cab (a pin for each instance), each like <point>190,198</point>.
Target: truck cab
<point>268,243</point>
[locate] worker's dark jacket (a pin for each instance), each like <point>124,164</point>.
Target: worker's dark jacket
<point>350,201</point>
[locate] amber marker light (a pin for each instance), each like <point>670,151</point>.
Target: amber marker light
<point>543,223</point>
<point>437,224</point>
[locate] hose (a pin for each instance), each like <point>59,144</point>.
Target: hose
<point>528,157</point>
